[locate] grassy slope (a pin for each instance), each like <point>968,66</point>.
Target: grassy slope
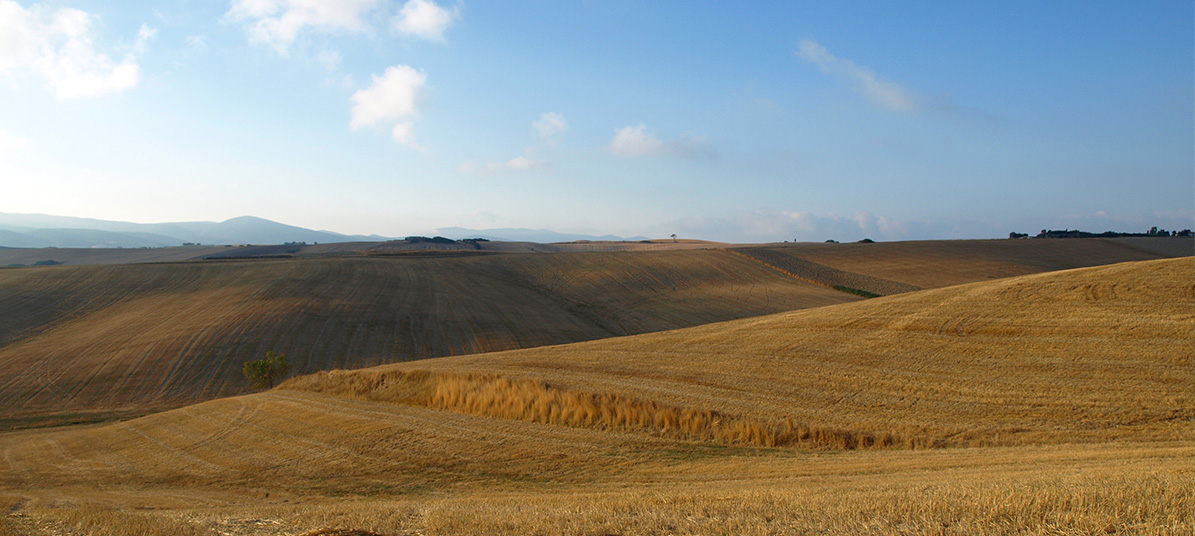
<point>1100,356</point>
<point>145,336</point>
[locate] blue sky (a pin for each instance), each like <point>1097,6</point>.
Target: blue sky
<point>726,121</point>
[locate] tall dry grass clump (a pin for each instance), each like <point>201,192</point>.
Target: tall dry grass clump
<point>493,395</point>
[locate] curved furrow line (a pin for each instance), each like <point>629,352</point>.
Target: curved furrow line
<point>179,458</point>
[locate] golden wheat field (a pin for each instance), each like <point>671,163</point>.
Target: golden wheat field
<point>1053,403</point>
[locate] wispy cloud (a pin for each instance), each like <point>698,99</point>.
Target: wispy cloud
<point>144,36</point>
<point>197,43</point>
<point>880,92</point>
<point>58,47</point>
<point>393,97</point>
<point>636,141</point>
<point>425,19</point>
<point>877,90</point>
<point>277,23</point>
<point>550,125</point>
<point>521,163</point>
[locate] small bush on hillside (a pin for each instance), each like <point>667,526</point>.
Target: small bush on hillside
<point>262,373</point>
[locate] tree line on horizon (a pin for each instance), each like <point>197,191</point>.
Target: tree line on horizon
<point>1075,233</point>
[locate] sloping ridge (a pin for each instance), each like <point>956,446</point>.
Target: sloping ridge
<point>824,275</point>
<point>153,336</point>
<point>1080,355</point>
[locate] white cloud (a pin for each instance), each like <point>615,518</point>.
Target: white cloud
<point>550,124</point>
<point>425,19</point>
<point>277,23</point>
<point>636,141</point>
<point>394,96</point>
<point>880,92</point>
<point>520,163</point>
<point>57,46</point>
<point>632,141</point>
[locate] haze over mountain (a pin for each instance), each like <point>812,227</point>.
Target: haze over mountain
<point>42,230</point>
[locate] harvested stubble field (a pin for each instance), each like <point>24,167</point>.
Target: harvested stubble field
<point>1057,403</point>
<point>93,341</point>
<point>940,263</point>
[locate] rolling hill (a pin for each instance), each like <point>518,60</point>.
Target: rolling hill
<point>939,263</point>
<point>1054,403</point>
<point>81,343</point>
<point>126,338</point>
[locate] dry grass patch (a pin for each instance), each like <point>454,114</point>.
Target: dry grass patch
<point>535,401</point>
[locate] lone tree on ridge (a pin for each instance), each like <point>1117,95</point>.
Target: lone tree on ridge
<point>263,372</point>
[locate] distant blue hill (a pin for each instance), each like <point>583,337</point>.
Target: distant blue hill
<point>41,230</point>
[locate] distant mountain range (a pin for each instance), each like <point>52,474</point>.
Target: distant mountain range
<point>41,230</point>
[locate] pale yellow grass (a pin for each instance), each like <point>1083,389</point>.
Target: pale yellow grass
<point>497,396</point>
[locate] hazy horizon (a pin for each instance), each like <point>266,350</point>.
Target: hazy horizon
<point>750,122</point>
<point>9,221</point>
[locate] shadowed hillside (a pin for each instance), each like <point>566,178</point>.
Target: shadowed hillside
<point>940,263</point>
<point>138,336</point>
